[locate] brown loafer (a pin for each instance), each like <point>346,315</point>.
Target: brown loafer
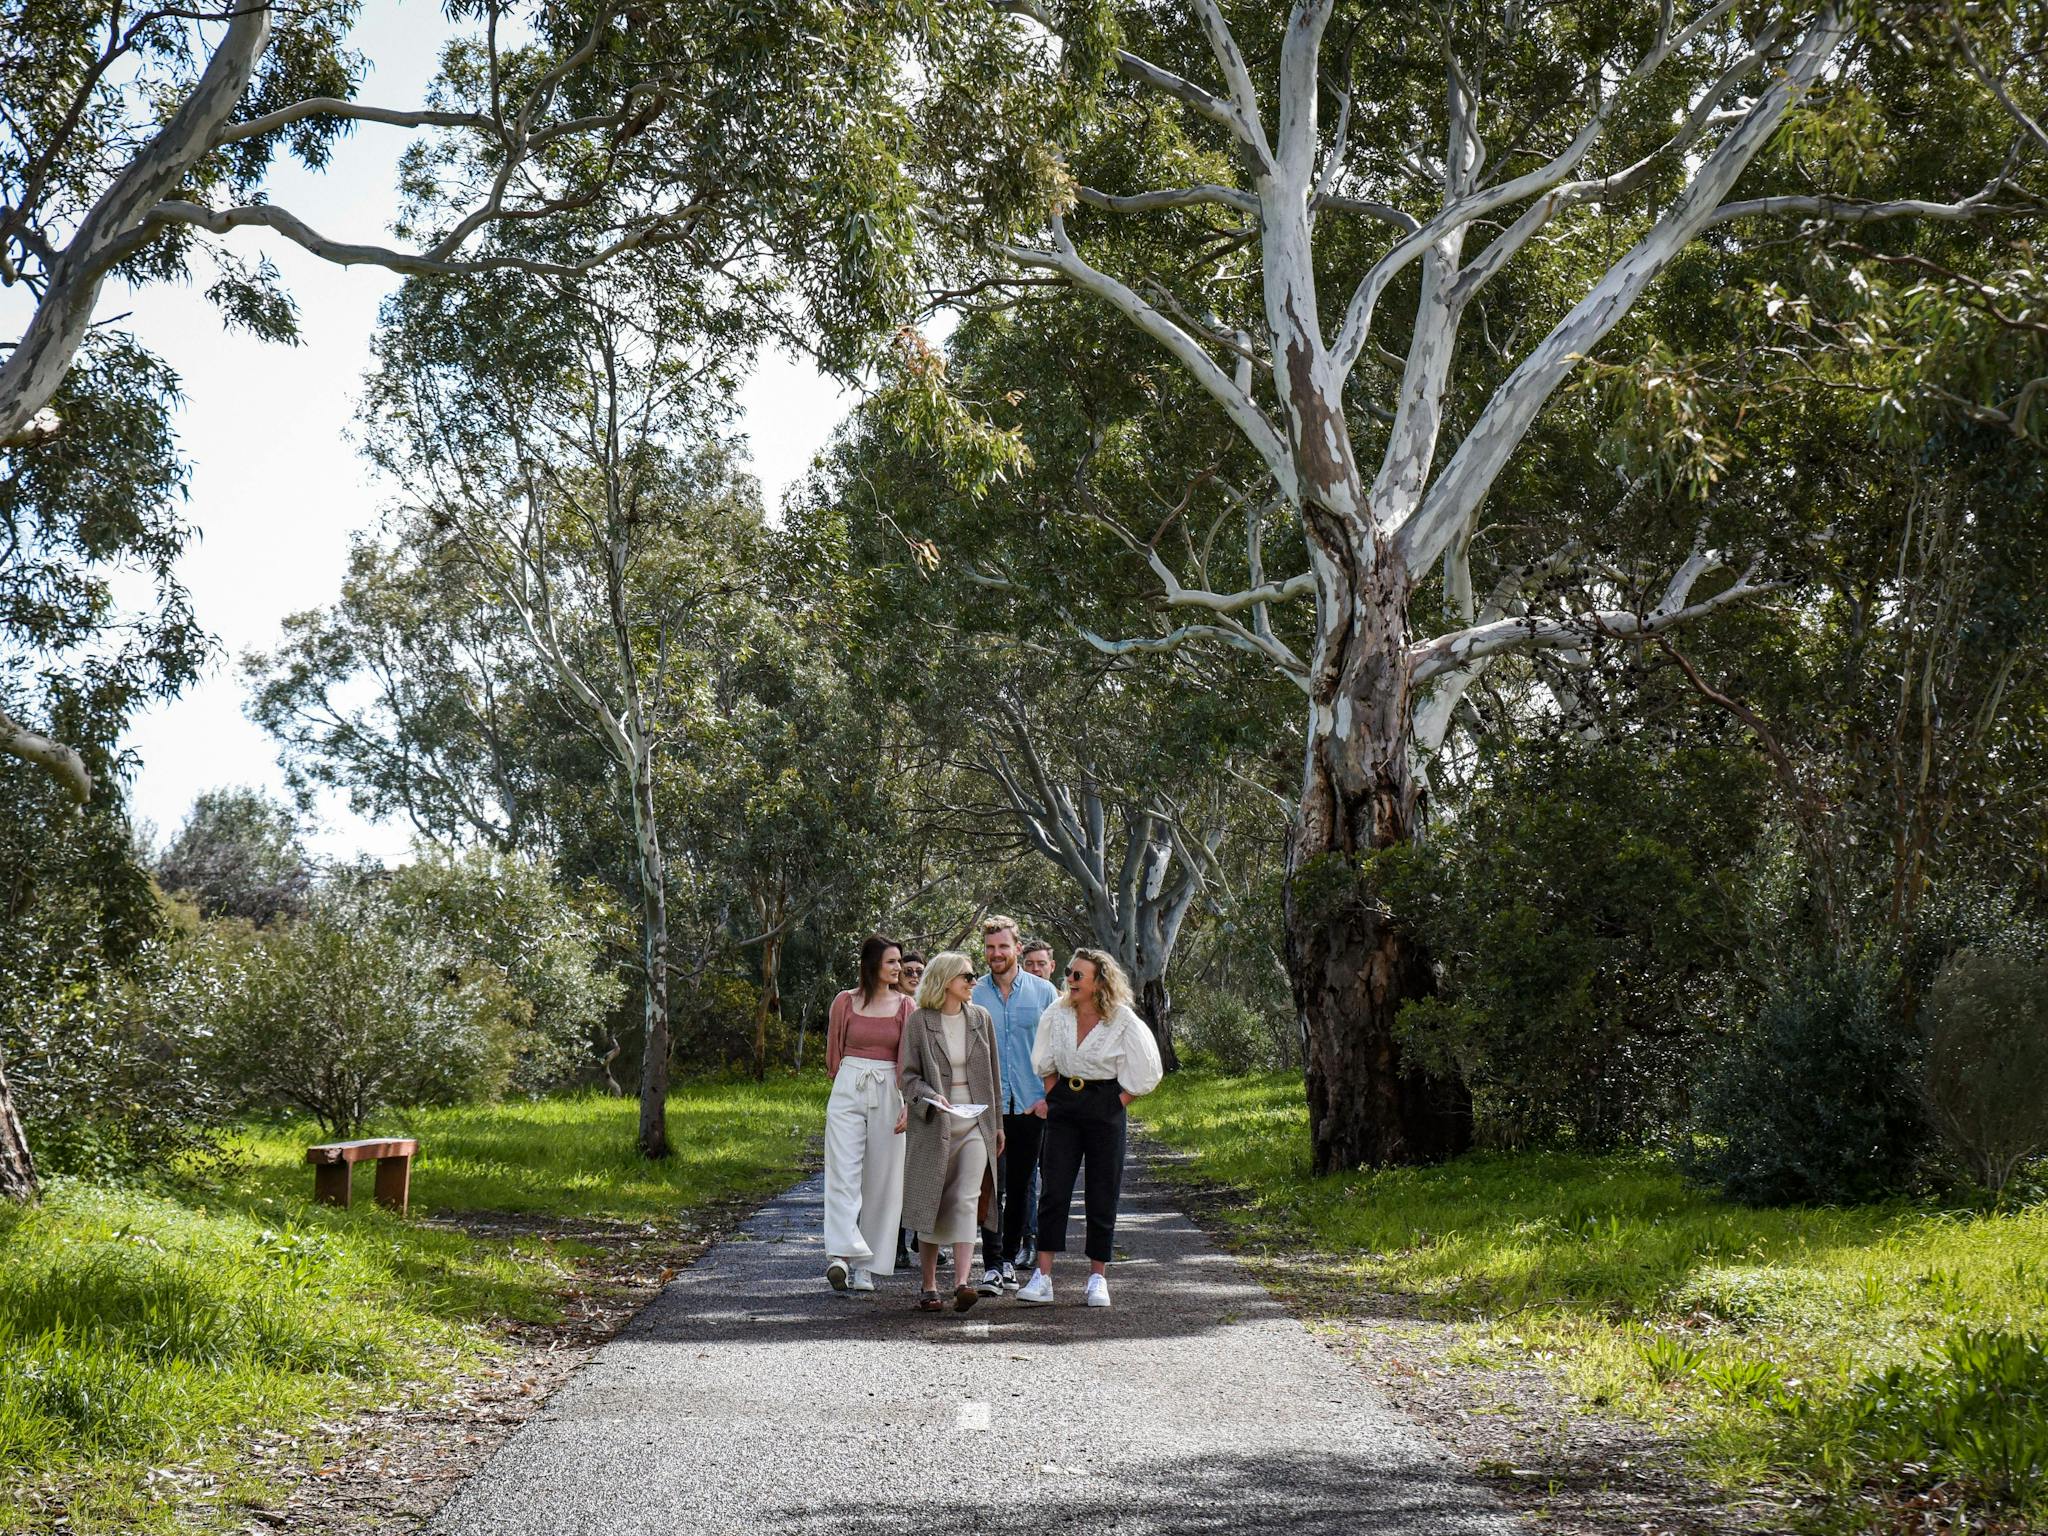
<point>964,1296</point>
<point>928,1301</point>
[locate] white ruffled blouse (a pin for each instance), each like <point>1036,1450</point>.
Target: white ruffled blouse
<point>1121,1046</point>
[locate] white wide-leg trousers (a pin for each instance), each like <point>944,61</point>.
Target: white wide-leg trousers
<point>863,1165</point>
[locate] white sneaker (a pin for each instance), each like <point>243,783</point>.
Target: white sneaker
<point>861,1281</point>
<point>837,1273</point>
<point>1098,1291</point>
<point>1009,1277</point>
<point>1037,1289</point>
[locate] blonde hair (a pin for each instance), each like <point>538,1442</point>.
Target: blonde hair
<point>1112,986</point>
<point>939,972</point>
<point>996,923</point>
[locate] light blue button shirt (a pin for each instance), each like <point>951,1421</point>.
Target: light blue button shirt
<point>1016,1022</point>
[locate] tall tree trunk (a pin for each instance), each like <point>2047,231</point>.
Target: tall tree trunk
<point>654,963</point>
<point>1156,1004</point>
<point>1352,962</point>
<point>17,1168</point>
<point>770,1001</point>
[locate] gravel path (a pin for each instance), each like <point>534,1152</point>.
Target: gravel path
<point>749,1397</point>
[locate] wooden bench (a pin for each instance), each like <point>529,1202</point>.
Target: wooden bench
<point>335,1161</point>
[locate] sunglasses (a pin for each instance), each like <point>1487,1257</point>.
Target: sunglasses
<point>1077,975</point>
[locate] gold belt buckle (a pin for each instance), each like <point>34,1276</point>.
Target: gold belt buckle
<point>1077,1083</point>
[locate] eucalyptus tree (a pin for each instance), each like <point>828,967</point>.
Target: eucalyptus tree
<point>558,136</point>
<point>238,854</point>
<point>419,701</point>
<point>1381,246</point>
<point>561,448</point>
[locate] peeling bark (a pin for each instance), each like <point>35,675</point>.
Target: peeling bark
<point>1353,963</point>
<point>17,1168</point>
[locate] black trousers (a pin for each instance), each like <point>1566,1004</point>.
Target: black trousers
<point>1014,1169</point>
<point>1022,1135</point>
<point>1082,1126</point>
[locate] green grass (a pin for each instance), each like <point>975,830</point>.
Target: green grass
<point>1827,1349</point>
<point>146,1328</point>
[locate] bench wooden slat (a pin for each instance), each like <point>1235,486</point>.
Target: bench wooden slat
<point>334,1164</point>
<point>361,1151</point>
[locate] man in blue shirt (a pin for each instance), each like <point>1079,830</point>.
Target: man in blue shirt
<point>1014,999</point>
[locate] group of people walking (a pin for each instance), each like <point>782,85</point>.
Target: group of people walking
<point>952,1092</point>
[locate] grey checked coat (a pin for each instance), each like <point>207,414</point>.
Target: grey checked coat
<point>926,1071</point>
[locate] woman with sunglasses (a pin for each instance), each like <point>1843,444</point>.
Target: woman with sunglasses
<point>1096,1055</point>
<point>949,1058</point>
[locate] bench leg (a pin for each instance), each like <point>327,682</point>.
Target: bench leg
<point>331,1182</point>
<point>394,1182</point>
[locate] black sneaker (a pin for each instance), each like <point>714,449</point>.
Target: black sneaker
<point>991,1283</point>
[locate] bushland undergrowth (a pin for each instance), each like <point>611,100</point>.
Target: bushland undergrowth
<point>1853,1354</point>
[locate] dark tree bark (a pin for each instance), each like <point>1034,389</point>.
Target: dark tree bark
<point>1352,962</point>
<point>1155,1003</point>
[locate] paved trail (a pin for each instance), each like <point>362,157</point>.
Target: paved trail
<point>749,1397</point>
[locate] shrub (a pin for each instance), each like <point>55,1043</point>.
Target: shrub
<point>1575,909</point>
<point>1987,1061</point>
<point>506,911</point>
<point>106,1061</point>
<point>1231,1033</point>
<point>352,1009</point>
<point>1818,1101</point>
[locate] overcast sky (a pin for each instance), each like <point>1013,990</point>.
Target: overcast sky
<point>276,484</point>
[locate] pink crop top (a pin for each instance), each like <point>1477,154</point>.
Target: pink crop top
<point>849,1033</point>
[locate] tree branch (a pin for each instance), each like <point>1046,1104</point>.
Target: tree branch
<point>411,263</point>
<point>62,763</point>
<point>1454,499</point>
<point>1432,659</point>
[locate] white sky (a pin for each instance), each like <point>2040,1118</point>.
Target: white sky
<point>276,486</point>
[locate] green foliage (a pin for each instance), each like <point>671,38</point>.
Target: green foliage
<point>355,1007</point>
<point>79,652</point>
<point>1580,911</point>
<point>1818,1099</point>
<point>1987,1061</point>
<point>100,1080</point>
<point>545,947</point>
<point>1219,1029</point>
<point>149,1328</point>
<point>1761,1337</point>
<point>1973,1413</point>
<point>237,855</point>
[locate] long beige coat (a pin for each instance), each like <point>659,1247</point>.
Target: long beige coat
<point>926,1070</point>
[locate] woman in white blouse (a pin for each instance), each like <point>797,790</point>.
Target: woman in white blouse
<point>1096,1055</point>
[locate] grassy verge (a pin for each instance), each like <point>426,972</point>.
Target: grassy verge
<point>1854,1354</point>
<point>149,1329</point>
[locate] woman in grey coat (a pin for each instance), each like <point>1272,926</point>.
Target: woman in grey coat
<point>949,1058</point>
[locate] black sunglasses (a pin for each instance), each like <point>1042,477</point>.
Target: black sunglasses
<point>1077,975</point>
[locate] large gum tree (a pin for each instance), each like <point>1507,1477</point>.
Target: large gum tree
<point>1381,242</point>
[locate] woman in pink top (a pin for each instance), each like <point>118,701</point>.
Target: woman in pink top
<point>864,1122</point>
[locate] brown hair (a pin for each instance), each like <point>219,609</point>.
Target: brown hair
<point>1034,947</point>
<point>873,951</point>
<point>995,922</point>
